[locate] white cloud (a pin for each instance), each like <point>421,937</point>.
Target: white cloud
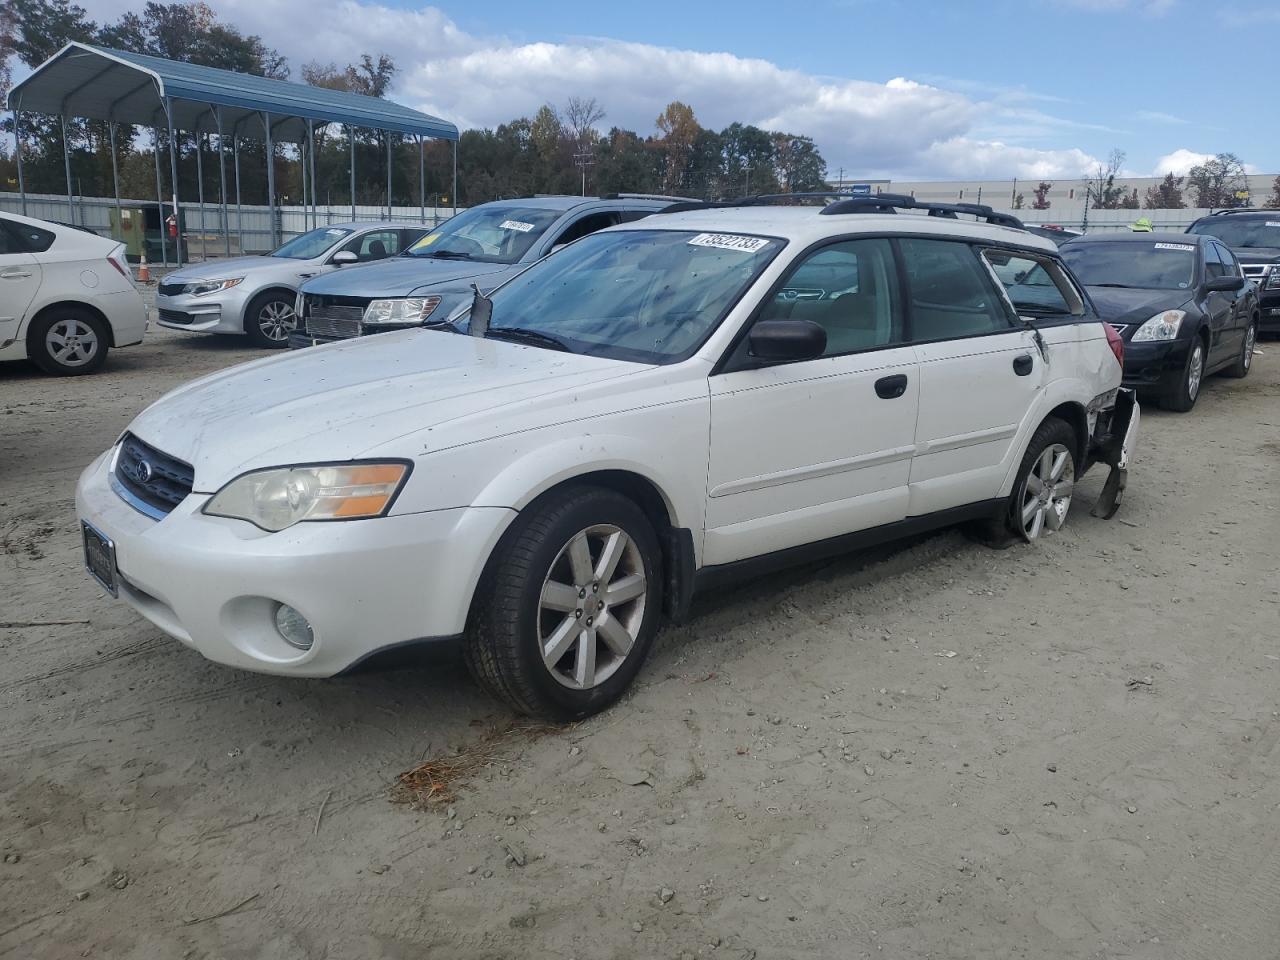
<point>1180,162</point>
<point>901,126</point>
<point>1159,116</point>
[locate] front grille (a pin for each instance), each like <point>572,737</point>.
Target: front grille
<point>335,317</point>
<point>160,481</point>
<point>175,316</point>
<point>170,289</point>
<point>1254,270</point>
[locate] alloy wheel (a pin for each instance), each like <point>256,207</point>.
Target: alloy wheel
<point>591,607</point>
<point>1195,371</point>
<point>277,320</point>
<point>1046,496</point>
<point>72,342</point>
<point>1250,340</point>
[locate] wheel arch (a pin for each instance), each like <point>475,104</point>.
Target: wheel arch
<point>69,304</point>
<point>289,292</point>
<point>1077,418</point>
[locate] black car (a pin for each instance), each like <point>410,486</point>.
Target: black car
<point>1254,237</point>
<point>1179,302</point>
<point>1051,231</point>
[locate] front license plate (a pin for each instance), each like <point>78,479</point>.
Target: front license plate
<point>99,557</point>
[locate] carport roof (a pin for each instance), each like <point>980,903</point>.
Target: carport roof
<point>82,80</point>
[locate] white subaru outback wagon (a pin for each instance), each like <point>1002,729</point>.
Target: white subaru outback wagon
<point>656,408</point>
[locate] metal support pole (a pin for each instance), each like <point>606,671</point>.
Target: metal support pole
<point>66,163</point>
<point>311,154</point>
<point>302,173</point>
<point>271,178</point>
<point>388,135</point>
<point>455,178</point>
<point>17,149</point>
<point>235,160</point>
<point>199,138</point>
<point>173,175</point>
<point>422,181</point>
<point>351,138</point>
<point>155,151</point>
<point>222,183</point>
<point>115,167</point>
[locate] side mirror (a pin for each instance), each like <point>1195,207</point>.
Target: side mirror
<point>344,257</point>
<point>782,341</point>
<point>1224,284</point>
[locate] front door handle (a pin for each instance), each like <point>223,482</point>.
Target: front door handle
<point>305,276</point>
<point>1023,364</point>
<point>15,275</point>
<point>890,388</point>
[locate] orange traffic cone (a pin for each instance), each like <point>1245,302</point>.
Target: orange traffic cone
<point>144,272</point>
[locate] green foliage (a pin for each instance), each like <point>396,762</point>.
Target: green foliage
<point>1041,194</point>
<point>1216,182</point>
<point>1166,195</point>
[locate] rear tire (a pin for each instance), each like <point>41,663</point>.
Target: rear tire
<point>68,342</point>
<point>1244,361</point>
<point>1042,491</point>
<point>567,612</point>
<point>269,319</point>
<point>1184,396</point>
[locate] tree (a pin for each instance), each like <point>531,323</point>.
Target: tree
<point>1041,194</point>
<point>8,46</point>
<point>1166,195</point>
<point>798,163</point>
<point>581,114</point>
<point>1018,200</point>
<point>1102,186</point>
<point>1273,201</point>
<point>679,129</point>
<point>45,26</point>
<point>1215,182</point>
<point>1130,201</point>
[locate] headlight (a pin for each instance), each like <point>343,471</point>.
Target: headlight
<point>202,287</point>
<point>1163,326</point>
<point>404,310</point>
<point>278,498</point>
<point>1273,277</point>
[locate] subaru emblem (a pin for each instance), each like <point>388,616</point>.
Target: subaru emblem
<point>143,472</point>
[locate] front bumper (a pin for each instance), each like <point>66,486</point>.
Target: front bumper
<point>1155,367</point>
<point>222,313</point>
<point>1269,307</point>
<point>364,585</point>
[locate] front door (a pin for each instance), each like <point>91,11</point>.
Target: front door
<point>804,451</point>
<point>19,280</point>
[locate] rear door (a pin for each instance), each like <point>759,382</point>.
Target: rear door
<point>805,451</point>
<point>19,273</point>
<point>1238,319</point>
<point>1220,305</point>
<point>980,373</point>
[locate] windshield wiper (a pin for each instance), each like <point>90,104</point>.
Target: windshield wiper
<point>447,255</point>
<point>519,334</point>
<point>1121,286</point>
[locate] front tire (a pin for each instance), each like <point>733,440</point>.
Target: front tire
<point>270,319</point>
<point>1184,396</point>
<point>68,342</point>
<point>567,613</point>
<point>1244,361</point>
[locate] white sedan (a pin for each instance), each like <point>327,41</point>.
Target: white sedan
<point>66,296</point>
<point>655,409</point>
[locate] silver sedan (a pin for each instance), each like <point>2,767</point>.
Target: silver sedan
<point>255,295</point>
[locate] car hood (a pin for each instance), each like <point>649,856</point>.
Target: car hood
<point>217,269</point>
<point>398,276</point>
<point>1257,254</point>
<point>1132,305</point>
<point>340,401</point>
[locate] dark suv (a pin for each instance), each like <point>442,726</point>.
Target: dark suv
<point>1254,237</point>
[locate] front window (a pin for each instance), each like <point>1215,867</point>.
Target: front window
<point>490,233</point>
<point>311,244</point>
<point>649,296</point>
<point>1242,233</point>
<point>1128,263</point>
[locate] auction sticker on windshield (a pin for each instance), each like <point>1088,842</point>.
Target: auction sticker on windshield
<point>516,225</point>
<point>1189,248</point>
<point>729,241</point>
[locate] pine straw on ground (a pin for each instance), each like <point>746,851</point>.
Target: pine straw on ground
<point>436,781</point>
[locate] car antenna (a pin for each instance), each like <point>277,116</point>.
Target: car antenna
<point>481,311</point>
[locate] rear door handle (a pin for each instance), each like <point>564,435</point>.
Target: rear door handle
<point>890,388</point>
<point>1023,364</point>
<point>15,274</point>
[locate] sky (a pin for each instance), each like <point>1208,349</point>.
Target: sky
<point>904,89</point>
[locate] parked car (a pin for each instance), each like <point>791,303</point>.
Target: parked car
<point>485,245</point>
<point>1051,231</point>
<point>256,295</point>
<point>648,413</point>
<point>66,296</point>
<point>1180,302</point>
<point>1253,236</point>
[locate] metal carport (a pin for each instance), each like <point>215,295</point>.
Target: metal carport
<point>82,80</point>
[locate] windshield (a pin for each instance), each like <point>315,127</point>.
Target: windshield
<point>1126,263</point>
<point>1242,232</point>
<point>492,234</point>
<point>650,296</point>
<point>311,244</point>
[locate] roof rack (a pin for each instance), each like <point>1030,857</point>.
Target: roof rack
<point>893,202</point>
<point>1229,210</point>
<point>645,196</point>
<point>760,200</point>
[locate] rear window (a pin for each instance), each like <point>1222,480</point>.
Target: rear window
<point>24,238</point>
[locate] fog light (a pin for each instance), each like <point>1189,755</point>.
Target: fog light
<point>293,627</point>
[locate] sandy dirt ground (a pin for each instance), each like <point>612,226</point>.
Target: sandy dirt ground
<point>931,751</point>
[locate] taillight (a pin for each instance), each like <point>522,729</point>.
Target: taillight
<point>1115,343</point>
<point>119,268</point>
